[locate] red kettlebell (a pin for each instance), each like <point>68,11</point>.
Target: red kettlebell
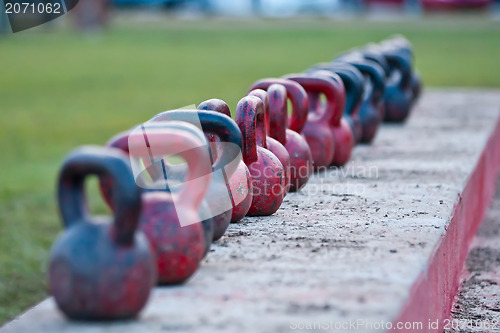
<point>325,132</point>
<point>265,168</point>
<point>354,87</point>
<point>100,271</point>
<point>295,143</point>
<point>272,144</point>
<point>171,221</point>
<point>240,183</point>
<point>156,172</point>
<point>223,166</point>
<point>345,139</point>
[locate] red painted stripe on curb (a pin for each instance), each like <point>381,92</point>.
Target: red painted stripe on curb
<point>431,296</point>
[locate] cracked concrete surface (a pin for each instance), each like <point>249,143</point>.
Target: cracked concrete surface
<point>347,247</point>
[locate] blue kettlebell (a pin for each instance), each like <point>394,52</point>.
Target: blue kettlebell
<point>100,268</point>
<point>398,92</point>
<point>404,46</point>
<point>370,110</point>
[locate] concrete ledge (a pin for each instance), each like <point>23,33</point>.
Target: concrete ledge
<point>432,295</point>
<point>381,241</point>
<point>478,296</point>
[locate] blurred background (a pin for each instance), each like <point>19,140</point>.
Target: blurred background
<point>109,65</point>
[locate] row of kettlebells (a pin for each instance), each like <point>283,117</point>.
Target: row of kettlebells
<point>102,269</point>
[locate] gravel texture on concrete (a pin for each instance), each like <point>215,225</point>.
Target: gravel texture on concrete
<point>477,305</point>
<point>346,249</point>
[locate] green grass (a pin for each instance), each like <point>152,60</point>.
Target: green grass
<point>59,90</point>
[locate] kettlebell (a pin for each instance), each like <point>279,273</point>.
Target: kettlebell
<point>272,144</point>
<point>398,96</point>
<point>288,129</point>
<point>372,52</point>
<point>155,171</point>
<point>324,120</point>
<point>265,168</point>
<point>404,46</point>
<point>100,268</point>
<point>223,166</point>
<point>354,86</point>
<point>240,183</point>
<point>369,113</point>
<point>398,91</point>
<point>171,220</point>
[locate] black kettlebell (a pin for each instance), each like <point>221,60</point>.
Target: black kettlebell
<point>100,268</point>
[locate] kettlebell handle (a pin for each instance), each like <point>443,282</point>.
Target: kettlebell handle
<point>176,138</point>
<point>103,162</point>
<point>154,166</point>
<point>402,41</point>
<point>373,52</point>
<point>278,112</point>
<point>262,120</point>
<point>212,123</point>
<point>120,141</point>
<point>332,87</point>
<point>247,111</point>
<point>402,63</point>
<point>376,75</point>
<point>353,83</point>
<point>215,104</point>
<point>297,96</point>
